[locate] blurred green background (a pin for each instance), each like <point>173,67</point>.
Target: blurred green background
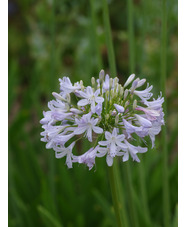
<point>49,39</point>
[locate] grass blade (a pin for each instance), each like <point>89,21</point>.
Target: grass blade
<point>48,217</point>
<point>166,202</point>
<point>108,36</point>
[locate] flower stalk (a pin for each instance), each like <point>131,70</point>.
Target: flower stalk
<point>117,202</point>
<point>108,36</point>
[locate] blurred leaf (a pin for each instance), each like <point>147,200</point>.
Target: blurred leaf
<point>106,207</point>
<point>48,218</point>
<point>175,218</point>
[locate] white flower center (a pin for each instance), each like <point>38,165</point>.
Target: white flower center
<point>92,98</point>
<point>89,125</point>
<point>113,138</point>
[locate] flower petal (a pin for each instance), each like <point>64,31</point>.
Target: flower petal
<point>114,132</point>
<point>122,145</point>
<point>97,129</point>
<point>120,137</point>
<point>83,102</point>
<point>103,143</point>
<point>102,152</point>
<point>99,99</point>
<point>80,130</point>
<point>96,93</point>
<point>109,160</point>
<point>108,135</point>
<point>112,149</point>
<point>143,121</point>
<point>69,161</point>
<point>89,134</point>
<point>59,154</point>
<point>126,157</point>
<point>119,108</point>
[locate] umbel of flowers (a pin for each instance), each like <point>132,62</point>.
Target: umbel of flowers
<point>109,115</point>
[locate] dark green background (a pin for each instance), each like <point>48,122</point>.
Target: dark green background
<point>51,39</point>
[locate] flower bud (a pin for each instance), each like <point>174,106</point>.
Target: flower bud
<point>134,85</point>
<point>107,116</point>
<point>111,95</point>
<point>113,113</point>
<point>58,96</point>
<point>110,83</point>
<point>115,82</point>
<point>126,93</point>
<point>121,90</point>
<point>107,94</point>
<point>93,81</point>
<point>119,108</point>
<point>129,80</point>
<point>141,82</point>
<point>127,103</point>
<point>81,84</point>
<point>68,98</point>
<point>117,119</point>
<point>101,76</point>
<point>134,104</point>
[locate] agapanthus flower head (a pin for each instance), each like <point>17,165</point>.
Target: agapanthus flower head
<point>110,116</point>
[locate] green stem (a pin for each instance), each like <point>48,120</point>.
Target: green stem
<point>114,176</point>
<point>132,207</point>
<point>121,194</point>
<point>118,205</point>
<point>94,33</point>
<point>166,202</point>
<point>53,47</point>
<point>131,204</point>
<point>131,36</point>
<point>144,193</point>
<point>108,36</point>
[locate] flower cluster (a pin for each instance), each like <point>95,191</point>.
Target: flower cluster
<point>110,116</point>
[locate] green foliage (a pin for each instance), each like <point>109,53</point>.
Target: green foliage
<point>51,39</point>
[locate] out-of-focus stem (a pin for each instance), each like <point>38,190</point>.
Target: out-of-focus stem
<point>131,36</point>
<point>108,36</point>
<point>166,202</point>
<point>131,204</point>
<point>116,196</point>
<point>132,208</point>
<point>114,176</point>
<point>95,37</point>
<point>144,193</point>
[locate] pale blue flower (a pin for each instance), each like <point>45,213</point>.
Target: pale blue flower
<point>119,108</point>
<point>60,152</point>
<point>90,97</point>
<point>87,124</point>
<point>129,80</point>
<point>107,114</point>
<point>145,94</point>
<point>102,151</point>
<point>66,85</point>
<point>132,150</point>
<point>143,121</point>
<point>112,141</point>
<point>139,130</point>
<point>47,118</point>
<point>98,109</point>
<point>88,158</point>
